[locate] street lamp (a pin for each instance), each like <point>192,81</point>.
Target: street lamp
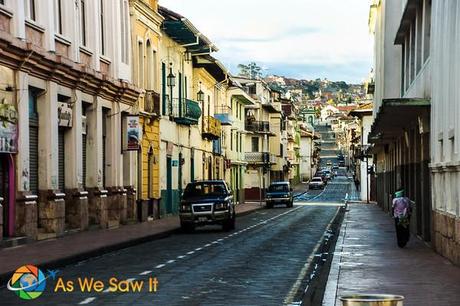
<point>200,95</point>
<point>171,82</point>
<point>188,56</point>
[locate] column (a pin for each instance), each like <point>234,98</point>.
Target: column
<point>97,195</point>
<point>51,202</point>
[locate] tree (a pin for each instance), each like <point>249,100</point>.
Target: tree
<point>252,70</point>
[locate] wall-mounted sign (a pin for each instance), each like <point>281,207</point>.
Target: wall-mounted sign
<point>8,128</point>
<point>133,133</point>
<point>64,114</point>
<point>175,163</point>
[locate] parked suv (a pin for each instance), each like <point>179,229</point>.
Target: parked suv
<point>207,202</point>
<point>279,193</point>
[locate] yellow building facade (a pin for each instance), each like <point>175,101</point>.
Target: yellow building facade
<point>146,23</point>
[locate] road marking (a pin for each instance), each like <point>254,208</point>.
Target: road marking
<point>160,266</point>
<point>207,245</point>
<point>170,261</point>
<point>190,253</point>
<point>145,272</point>
<point>130,280</point>
<point>198,249</point>
<point>319,204</point>
<point>181,256</point>
<point>87,301</point>
<point>289,299</point>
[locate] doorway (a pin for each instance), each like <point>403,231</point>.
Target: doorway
<point>169,192</point>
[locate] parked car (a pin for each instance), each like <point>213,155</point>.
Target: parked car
<point>329,164</point>
<point>207,202</point>
<point>322,175</point>
<point>316,183</point>
<point>279,193</point>
<point>335,166</point>
<point>342,163</point>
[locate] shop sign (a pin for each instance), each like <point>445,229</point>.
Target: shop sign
<point>8,128</point>
<point>64,114</point>
<point>133,133</point>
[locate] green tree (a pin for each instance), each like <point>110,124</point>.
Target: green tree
<point>251,70</point>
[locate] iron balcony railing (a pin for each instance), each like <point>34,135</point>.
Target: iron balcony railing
<point>258,126</point>
<point>259,158</point>
<point>224,114</point>
<point>212,128</point>
<point>184,111</point>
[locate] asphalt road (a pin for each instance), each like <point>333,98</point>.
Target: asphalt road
<point>259,263</point>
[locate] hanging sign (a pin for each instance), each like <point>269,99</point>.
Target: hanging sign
<point>8,128</point>
<point>64,114</point>
<point>133,133</point>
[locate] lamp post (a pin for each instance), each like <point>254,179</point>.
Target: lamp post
<point>200,99</point>
<point>171,82</point>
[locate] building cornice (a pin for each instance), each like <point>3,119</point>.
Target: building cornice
<point>34,60</point>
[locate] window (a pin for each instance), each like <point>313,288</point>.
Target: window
<point>101,11</point>
<point>2,2</point>
<point>231,140</point>
<point>31,10</point>
<point>255,144</point>
<point>140,49</point>
<point>58,16</point>
<point>33,142</point>
<point>427,30</point>
<point>124,16</point>
<point>82,23</point>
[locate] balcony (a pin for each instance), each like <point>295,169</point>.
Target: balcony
<point>152,102</point>
<point>259,158</point>
<point>224,114</point>
<point>184,111</point>
<point>212,128</point>
<point>262,127</point>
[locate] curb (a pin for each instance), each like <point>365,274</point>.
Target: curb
<point>74,258</point>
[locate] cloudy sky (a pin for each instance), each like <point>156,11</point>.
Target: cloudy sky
<point>295,38</point>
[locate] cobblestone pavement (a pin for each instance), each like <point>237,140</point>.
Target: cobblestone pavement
<point>257,264</point>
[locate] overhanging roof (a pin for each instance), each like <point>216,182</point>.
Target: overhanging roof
<point>181,30</point>
<point>409,13</point>
<point>395,115</point>
<point>212,66</point>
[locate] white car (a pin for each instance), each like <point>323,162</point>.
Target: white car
<point>316,183</point>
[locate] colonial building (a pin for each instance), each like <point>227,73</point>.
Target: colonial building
<point>145,40</point>
<point>402,102</point>
<point>184,156</point>
<point>363,160</point>
<point>232,115</point>
<point>66,95</point>
<point>257,126</point>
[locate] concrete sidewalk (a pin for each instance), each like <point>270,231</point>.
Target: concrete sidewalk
<point>367,260</point>
<point>84,245</point>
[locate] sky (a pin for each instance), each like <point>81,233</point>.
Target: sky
<point>305,39</point>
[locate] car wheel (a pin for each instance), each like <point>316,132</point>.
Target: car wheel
<point>291,204</point>
<point>187,227</point>
<point>229,224</point>
<point>269,205</point>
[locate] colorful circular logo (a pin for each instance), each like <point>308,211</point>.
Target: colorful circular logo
<point>28,282</point>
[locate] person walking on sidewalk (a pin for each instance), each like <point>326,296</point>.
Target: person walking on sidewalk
<point>357,184</point>
<point>401,209</point>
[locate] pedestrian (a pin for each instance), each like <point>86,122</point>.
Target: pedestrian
<point>402,211</point>
<point>357,184</point>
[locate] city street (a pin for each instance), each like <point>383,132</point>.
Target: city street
<point>257,264</point>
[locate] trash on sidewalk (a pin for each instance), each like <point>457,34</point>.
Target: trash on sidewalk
<point>372,300</point>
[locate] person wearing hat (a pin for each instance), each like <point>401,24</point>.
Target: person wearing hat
<point>401,213</point>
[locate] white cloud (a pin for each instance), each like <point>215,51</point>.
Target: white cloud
<point>315,33</point>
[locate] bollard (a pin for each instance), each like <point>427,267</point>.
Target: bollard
<point>372,300</point>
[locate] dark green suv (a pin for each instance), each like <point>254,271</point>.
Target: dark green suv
<point>207,202</point>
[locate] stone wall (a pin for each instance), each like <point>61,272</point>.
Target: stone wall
<point>446,236</point>
<point>26,218</point>
<point>98,208</point>
<point>76,209</point>
<point>51,212</point>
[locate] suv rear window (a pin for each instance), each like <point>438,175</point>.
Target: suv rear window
<point>205,189</point>
<point>278,188</point>
<point>316,179</point>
